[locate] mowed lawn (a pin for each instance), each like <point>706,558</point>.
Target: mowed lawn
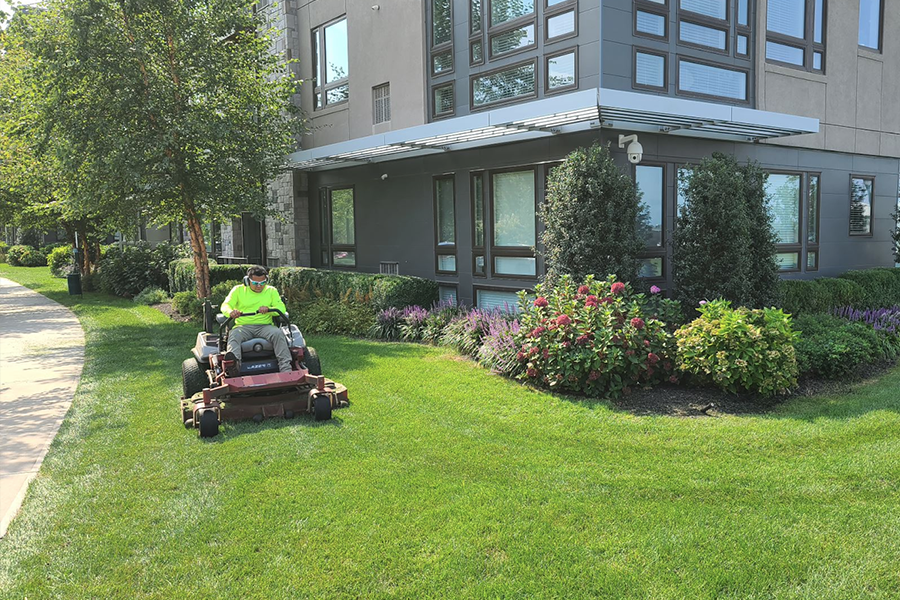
<point>442,480</point>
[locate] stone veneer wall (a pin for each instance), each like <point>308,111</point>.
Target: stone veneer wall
<point>287,237</point>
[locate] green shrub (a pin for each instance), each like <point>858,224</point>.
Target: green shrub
<point>47,249</point>
<point>437,320</point>
<point>819,295</point>
<point>26,256</point>
<point>61,261</point>
<point>151,295</point>
<point>128,270</point>
<point>596,338</point>
<point>739,349</point>
<point>381,291</point>
<point>4,248</point>
<point>834,348</point>
<point>324,315</point>
<point>592,218</point>
<point>724,243</point>
<point>881,287</point>
<point>187,304</point>
<point>182,275</point>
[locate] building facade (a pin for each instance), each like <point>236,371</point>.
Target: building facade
<point>433,125</point>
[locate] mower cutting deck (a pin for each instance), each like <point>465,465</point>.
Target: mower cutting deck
<point>214,391</point>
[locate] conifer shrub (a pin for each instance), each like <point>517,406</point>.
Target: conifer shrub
<point>724,243</point>
<point>592,215</point>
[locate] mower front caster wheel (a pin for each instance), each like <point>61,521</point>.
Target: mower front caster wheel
<point>322,408</point>
<point>209,424</point>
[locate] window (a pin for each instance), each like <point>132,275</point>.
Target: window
<point>714,9</point>
<point>649,70</point>
<point>515,82</point>
<point>561,72</point>
<point>701,35</point>
<point>445,224</point>
<point>502,12</point>
<point>491,299</point>
<point>476,53</point>
<point>870,12</point>
<point>478,261</point>
<point>861,194</point>
<point>382,99</point>
<point>443,100</point>
<point>331,64</point>
<point>338,227</point>
<point>441,37</point>
<point>702,79</point>
<point>650,180</point>
<point>475,17</point>
<point>512,40</point>
<point>650,24</point>
<point>794,33</point>
<point>513,223</point>
<point>447,293</point>
<point>791,197</point>
<point>560,26</point>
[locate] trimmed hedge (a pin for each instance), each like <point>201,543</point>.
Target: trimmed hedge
<point>380,291</point>
<point>871,288</point>
<point>182,276</point>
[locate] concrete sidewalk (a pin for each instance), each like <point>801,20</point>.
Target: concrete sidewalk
<point>41,355</point>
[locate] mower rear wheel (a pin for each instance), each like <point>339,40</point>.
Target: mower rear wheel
<point>311,358</point>
<point>322,408</point>
<point>193,378</point>
<point>209,424</point>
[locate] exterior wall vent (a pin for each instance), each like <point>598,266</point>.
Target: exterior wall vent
<point>389,268</point>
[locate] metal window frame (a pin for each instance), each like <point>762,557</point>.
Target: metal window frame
<point>515,99</point>
<point>510,251</point>
<point>871,232</point>
<point>491,28</point>
<point>800,246</point>
<point>434,113</point>
<point>726,51</point>
<point>548,91</point>
<point>664,240</point>
<point>493,34</point>
<point>476,249</point>
<point>653,9</point>
<point>329,244</point>
<point>880,48</point>
<point>643,86</point>
<point>807,43</point>
<point>449,249</point>
<point>555,11</point>
<point>320,87</point>
<point>385,103</point>
<point>688,94</point>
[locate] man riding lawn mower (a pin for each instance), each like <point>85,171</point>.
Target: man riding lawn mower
<point>252,369</point>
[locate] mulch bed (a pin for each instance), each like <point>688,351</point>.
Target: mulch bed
<point>167,309</point>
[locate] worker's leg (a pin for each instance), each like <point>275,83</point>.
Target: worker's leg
<point>282,352</point>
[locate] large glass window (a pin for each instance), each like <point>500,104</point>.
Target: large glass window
<point>649,70</point>
<point>791,198</point>
<point>708,80</point>
<point>561,71</point>
<point>513,222</point>
<point>515,82</point>
<point>790,39</point>
<point>507,10</point>
<point>870,24</point>
<point>331,64</point>
<point>651,183</point>
<point>338,226</point>
<point>861,194</point>
<point>512,40</point>
<point>441,23</point>
<point>445,224</point>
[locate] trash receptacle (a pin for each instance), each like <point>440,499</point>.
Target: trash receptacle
<point>74,284</point>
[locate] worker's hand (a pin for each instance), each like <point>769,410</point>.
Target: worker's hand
<point>262,310</point>
<point>235,314</point>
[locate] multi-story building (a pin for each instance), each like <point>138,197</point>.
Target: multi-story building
<point>433,124</point>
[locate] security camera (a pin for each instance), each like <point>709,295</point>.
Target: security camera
<point>635,151</point>
<point>383,176</point>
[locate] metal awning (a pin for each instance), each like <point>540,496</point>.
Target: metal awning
<point>577,111</point>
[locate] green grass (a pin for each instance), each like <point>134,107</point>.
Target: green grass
<point>444,481</point>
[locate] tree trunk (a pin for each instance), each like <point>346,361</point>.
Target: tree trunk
<point>198,245</point>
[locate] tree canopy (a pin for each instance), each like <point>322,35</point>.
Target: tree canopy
<point>175,110</point>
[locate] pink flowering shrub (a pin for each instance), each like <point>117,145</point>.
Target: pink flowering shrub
<point>599,338</point>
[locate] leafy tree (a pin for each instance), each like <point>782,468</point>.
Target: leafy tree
<point>592,217</point>
<point>177,111</point>
<point>724,244</point>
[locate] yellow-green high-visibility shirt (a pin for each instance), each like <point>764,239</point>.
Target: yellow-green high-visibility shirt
<point>242,298</point>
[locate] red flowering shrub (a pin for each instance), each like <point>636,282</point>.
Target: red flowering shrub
<point>573,341</point>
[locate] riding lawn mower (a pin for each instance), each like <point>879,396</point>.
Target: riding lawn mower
<point>217,389</point>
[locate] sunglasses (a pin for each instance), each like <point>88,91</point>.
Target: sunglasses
<point>263,282</point>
